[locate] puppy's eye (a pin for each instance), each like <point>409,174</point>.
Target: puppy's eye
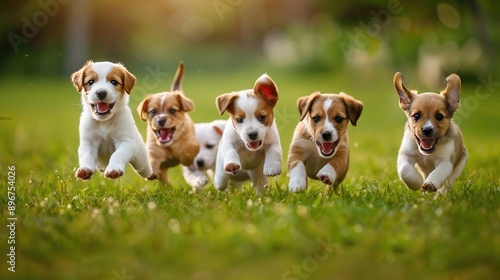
<point>439,117</point>
<point>416,117</point>
<point>239,120</point>
<point>261,118</point>
<point>339,119</point>
<point>209,146</point>
<point>90,82</point>
<point>172,111</point>
<point>114,82</point>
<point>316,119</point>
<point>152,112</point>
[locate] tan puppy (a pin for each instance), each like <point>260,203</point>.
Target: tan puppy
<point>109,138</point>
<point>171,137</point>
<point>320,145</point>
<point>432,142</point>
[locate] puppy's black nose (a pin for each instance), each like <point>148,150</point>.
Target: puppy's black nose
<point>327,135</point>
<point>200,163</point>
<point>427,131</point>
<point>252,135</point>
<point>101,94</point>
<point>161,121</point>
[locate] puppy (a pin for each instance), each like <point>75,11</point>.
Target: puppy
<point>208,136</point>
<point>432,142</point>
<point>250,146</point>
<point>170,138</point>
<point>109,138</point>
<point>320,145</point>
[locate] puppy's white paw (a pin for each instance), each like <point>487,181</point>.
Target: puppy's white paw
<point>297,184</point>
<point>232,167</point>
<point>327,175</point>
<point>325,179</point>
<point>428,187</point>
<point>113,172</point>
<point>197,181</point>
<point>83,173</point>
<point>272,169</point>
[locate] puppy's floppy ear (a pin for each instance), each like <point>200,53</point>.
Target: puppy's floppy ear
<point>405,96</point>
<point>78,77</point>
<point>266,88</point>
<point>186,103</point>
<point>224,101</point>
<point>128,80</point>
<point>304,103</point>
<point>452,92</point>
<point>177,82</point>
<point>354,107</point>
<point>143,107</point>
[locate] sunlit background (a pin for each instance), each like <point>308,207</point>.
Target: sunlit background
<point>431,38</point>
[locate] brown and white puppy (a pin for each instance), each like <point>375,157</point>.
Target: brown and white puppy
<point>432,142</point>
<point>109,138</point>
<point>171,136</point>
<point>320,144</point>
<point>250,146</point>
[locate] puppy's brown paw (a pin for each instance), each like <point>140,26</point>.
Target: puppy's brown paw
<point>428,187</point>
<point>113,174</point>
<point>84,173</point>
<point>325,179</point>
<point>232,168</point>
<point>153,176</point>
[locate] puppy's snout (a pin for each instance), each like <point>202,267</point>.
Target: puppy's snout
<point>253,135</point>
<point>161,121</point>
<point>200,163</point>
<point>101,94</point>
<point>327,135</point>
<point>427,130</point>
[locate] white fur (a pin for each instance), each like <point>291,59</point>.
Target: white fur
<point>197,174</point>
<point>233,151</point>
<point>110,141</point>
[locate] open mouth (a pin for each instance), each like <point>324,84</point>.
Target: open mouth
<point>102,108</point>
<point>427,145</point>
<point>165,135</point>
<point>254,145</point>
<point>327,148</point>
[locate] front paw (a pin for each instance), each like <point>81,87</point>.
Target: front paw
<point>232,168</point>
<point>83,173</point>
<point>297,184</point>
<point>197,181</point>
<point>113,172</point>
<point>272,169</point>
<point>428,187</point>
<point>325,178</point>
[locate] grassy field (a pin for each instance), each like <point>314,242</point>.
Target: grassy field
<point>374,228</point>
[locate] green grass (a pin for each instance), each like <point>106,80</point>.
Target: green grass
<point>374,228</point>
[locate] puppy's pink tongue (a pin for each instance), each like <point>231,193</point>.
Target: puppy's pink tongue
<point>427,143</point>
<point>254,145</point>
<point>326,148</point>
<point>102,107</point>
<point>165,135</point>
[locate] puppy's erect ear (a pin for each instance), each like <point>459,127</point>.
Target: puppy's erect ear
<point>266,88</point>
<point>224,101</point>
<point>304,103</point>
<point>186,103</point>
<point>128,80</point>
<point>219,130</point>
<point>452,92</point>
<point>78,77</point>
<point>177,82</point>
<point>405,96</point>
<point>354,107</point>
<point>143,108</point>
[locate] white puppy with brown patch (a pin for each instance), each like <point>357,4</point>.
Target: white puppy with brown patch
<point>109,138</point>
<point>208,136</point>
<point>320,144</point>
<point>250,146</point>
<point>432,142</point>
